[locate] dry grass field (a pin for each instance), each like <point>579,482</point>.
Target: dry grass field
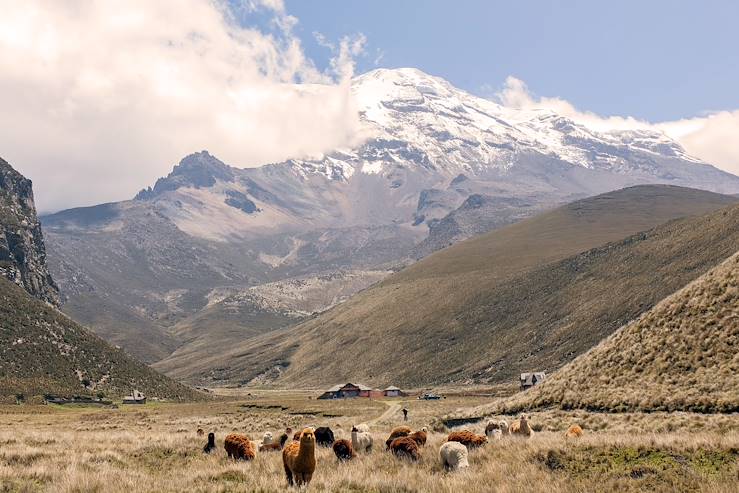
<point>156,448</point>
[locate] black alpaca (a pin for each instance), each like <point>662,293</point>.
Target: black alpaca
<point>211,445</point>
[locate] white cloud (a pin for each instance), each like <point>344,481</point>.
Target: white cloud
<point>711,138</point>
<point>100,98</point>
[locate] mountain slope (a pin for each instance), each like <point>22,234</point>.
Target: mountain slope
<point>679,356</point>
<point>522,297</point>
<point>22,251</point>
<point>43,352</point>
<point>234,315</point>
<point>432,162</point>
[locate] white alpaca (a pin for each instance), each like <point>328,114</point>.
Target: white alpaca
<point>361,441</point>
<point>495,430</point>
<point>453,456</point>
<point>267,439</point>
<point>362,428</point>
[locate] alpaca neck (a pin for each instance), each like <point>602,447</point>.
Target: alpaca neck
<point>525,426</point>
<point>307,452</point>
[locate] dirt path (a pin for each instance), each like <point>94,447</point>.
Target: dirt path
<point>392,408</point>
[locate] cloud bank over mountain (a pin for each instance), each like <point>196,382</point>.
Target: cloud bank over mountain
<point>710,137</point>
<point>99,99</point>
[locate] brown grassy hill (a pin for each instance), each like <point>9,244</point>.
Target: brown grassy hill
<point>681,355</point>
<point>521,297</point>
<point>42,351</point>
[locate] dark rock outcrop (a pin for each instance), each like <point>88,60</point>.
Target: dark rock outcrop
<point>22,251</point>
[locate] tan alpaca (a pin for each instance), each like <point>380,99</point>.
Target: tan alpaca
<point>521,427</point>
<point>299,458</point>
<point>574,431</point>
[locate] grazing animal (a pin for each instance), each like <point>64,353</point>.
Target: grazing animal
<point>274,447</point>
<point>299,459</point>
<point>420,436</point>
<point>400,431</point>
<point>362,427</point>
<point>239,447</point>
<point>495,430</point>
<point>324,436</point>
<point>405,447</point>
<point>453,456</point>
<point>467,438</point>
<point>574,431</point>
<point>521,427</point>
<point>344,450</point>
<point>361,440</point>
<point>296,436</point>
<point>267,438</point>
<point>200,432</point>
<point>211,445</point>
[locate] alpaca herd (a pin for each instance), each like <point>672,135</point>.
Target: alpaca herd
<point>299,456</point>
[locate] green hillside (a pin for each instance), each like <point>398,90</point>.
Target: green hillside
<point>531,296</point>
<point>44,352</point>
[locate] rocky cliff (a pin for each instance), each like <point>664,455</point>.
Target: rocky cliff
<point>22,251</point>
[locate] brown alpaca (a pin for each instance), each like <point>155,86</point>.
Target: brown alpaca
<point>405,447</point>
<point>521,427</point>
<point>296,436</point>
<point>344,450</point>
<point>467,438</point>
<point>239,447</point>
<point>299,459</point>
<point>574,431</point>
<point>274,447</point>
<point>419,437</point>
<point>400,431</point>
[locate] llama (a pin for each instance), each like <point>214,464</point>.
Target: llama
<point>574,431</point>
<point>299,459</point>
<point>521,427</point>
<point>211,445</point>
<point>495,430</point>
<point>467,438</point>
<point>361,440</point>
<point>239,447</point>
<point>420,436</point>
<point>453,456</point>
<point>344,450</point>
<point>274,447</point>
<point>400,431</point>
<point>324,436</point>
<point>405,447</point>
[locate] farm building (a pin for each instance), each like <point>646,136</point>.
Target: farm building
<point>528,380</point>
<point>349,390</point>
<point>393,391</point>
<point>136,397</point>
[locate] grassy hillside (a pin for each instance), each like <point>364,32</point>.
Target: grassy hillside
<point>42,351</point>
<point>681,355</point>
<point>522,297</point>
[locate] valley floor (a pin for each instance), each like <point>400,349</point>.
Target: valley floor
<point>155,448</point>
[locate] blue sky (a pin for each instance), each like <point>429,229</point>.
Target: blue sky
<point>654,60</point>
